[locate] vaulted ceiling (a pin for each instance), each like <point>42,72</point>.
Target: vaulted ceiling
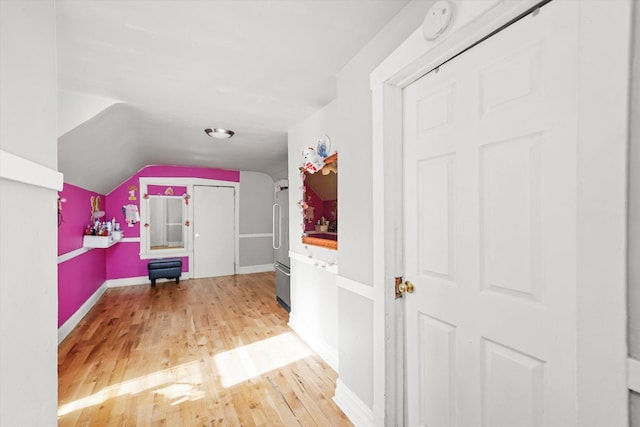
<point>139,81</point>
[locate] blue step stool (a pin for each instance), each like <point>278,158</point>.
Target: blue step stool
<point>169,268</point>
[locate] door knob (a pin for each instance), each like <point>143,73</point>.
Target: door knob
<point>406,287</point>
<point>197,235</point>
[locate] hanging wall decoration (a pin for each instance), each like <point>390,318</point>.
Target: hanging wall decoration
<point>132,192</point>
<point>60,202</point>
<point>95,208</point>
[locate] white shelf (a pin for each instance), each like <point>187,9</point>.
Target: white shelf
<point>98,242</point>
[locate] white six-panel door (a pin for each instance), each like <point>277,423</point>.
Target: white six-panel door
<point>213,231</point>
<point>490,230</point>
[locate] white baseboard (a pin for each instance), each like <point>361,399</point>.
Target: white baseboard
<point>354,408</point>
<point>328,353</point>
<point>140,280</point>
<point>73,321</point>
<point>128,281</point>
<point>255,269</point>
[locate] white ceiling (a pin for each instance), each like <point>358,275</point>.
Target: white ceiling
<point>165,70</point>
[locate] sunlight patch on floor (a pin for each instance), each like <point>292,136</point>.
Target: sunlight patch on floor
<point>183,382</point>
<point>252,360</point>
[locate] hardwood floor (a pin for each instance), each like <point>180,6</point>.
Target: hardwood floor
<point>206,352</point>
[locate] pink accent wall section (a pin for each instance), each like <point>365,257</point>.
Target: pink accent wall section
<point>161,190</point>
<point>78,279</point>
<point>162,171</point>
<point>123,259</point>
<point>328,210</point>
<point>76,214</point>
<point>119,196</point>
<point>313,200</point>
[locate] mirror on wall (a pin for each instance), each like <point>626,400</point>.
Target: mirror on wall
<point>165,215</point>
<point>166,219</point>
<point>320,205</point>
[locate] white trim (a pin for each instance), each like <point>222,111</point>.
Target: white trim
<point>327,352</point>
<point>72,254</point>
<point>355,287</point>
<point>602,176</point>
<point>255,235</point>
<point>128,281</point>
<point>129,240</point>
<point>77,252</point>
<point>354,408</point>
<point>633,374</point>
<point>255,269</point>
<point>415,56</point>
<point>165,253</point>
<point>72,322</point>
<point>15,168</point>
<point>141,280</point>
<point>324,265</point>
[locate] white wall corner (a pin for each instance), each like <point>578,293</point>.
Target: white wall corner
<point>633,374</point>
<point>255,269</point>
<point>354,408</point>
<point>72,322</point>
<point>327,352</point>
<point>16,168</point>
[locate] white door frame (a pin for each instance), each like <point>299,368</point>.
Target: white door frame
<point>603,91</point>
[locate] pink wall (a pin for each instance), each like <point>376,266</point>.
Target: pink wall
<point>76,214</point>
<point>119,196</point>
<point>330,210</point>
<point>123,259</point>
<point>322,208</point>
<point>160,190</point>
<point>79,277</point>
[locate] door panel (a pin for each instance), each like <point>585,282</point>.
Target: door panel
<point>214,231</point>
<point>437,349</point>
<point>490,241</point>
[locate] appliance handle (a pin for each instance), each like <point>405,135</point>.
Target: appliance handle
<point>273,227</point>
<point>281,270</point>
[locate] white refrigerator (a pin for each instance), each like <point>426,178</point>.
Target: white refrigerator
<point>281,247</point>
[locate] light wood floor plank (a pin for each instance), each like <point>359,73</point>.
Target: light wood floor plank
<point>206,352</point>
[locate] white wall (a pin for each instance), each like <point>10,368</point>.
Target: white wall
<point>633,294</point>
<point>348,121</point>
<point>355,192</point>
<point>314,295</point>
<point>634,196</point>
<point>256,199</point>
<point>28,224</point>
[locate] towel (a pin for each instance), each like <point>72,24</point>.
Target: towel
<point>131,214</point>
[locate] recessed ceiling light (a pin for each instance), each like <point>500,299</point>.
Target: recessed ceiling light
<point>219,133</point>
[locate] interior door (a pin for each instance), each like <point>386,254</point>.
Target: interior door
<point>213,231</point>
<point>490,230</point>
